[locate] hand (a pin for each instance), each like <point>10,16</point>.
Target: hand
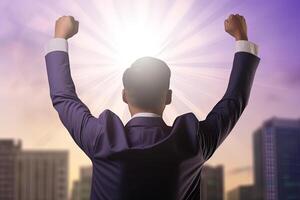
<point>236,26</point>
<point>66,27</point>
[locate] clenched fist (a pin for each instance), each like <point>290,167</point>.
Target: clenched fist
<point>66,27</point>
<point>236,26</point>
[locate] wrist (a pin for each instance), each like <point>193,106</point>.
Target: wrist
<point>241,37</point>
<point>62,37</point>
<point>57,35</point>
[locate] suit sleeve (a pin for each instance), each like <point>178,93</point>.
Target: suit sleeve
<point>224,115</point>
<point>74,114</point>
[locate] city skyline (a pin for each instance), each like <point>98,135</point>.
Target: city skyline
<point>25,103</point>
<point>270,141</point>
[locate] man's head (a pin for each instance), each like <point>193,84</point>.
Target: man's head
<point>146,86</point>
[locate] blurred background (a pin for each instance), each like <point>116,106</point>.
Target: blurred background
<point>259,160</point>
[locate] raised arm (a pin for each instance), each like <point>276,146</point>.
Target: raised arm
<point>224,115</point>
<point>76,117</point>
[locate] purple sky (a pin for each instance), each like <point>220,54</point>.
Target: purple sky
<point>26,110</point>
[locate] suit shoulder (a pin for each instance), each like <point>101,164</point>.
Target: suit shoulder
<point>107,117</point>
<point>189,115</point>
<point>107,113</point>
<point>186,127</point>
<point>187,118</point>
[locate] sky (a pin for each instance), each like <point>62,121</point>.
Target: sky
<point>187,34</point>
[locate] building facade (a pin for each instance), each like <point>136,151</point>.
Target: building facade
<point>42,175</point>
<point>82,187</point>
<point>32,175</point>
<point>8,154</point>
<point>277,160</point>
<point>244,192</point>
<point>212,183</point>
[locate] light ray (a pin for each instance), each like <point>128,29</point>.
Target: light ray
<point>206,22</point>
<point>96,87</point>
<point>193,108</point>
<point>206,74</point>
<point>115,33</point>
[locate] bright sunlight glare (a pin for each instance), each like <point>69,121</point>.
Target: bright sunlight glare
<point>136,41</point>
<point>116,33</point>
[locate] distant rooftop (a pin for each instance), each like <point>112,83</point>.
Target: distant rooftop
<point>279,122</point>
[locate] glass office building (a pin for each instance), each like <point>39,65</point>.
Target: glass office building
<point>277,160</point>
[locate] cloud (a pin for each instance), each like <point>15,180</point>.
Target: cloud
<point>240,170</point>
<point>293,77</point>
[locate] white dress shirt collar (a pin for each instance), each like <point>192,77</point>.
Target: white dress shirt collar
<point>145,114</point>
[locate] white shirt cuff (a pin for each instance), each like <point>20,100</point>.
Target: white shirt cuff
<point>246,46</point>
<point>56,44</point>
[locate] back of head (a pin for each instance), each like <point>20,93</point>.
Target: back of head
<point>146,81</point>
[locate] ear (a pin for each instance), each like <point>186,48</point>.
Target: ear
<point>124,96</point>
<point>169,97</point>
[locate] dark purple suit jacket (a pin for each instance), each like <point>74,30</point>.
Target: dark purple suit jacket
<point>146,159</point>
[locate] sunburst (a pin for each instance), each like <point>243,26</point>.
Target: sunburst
<point>184,33</point>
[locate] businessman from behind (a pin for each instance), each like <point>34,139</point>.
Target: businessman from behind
<point>145,158</point>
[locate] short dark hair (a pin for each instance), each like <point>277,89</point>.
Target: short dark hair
<point>146,80</point>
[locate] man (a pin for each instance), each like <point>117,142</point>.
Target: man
<point>147,159</point>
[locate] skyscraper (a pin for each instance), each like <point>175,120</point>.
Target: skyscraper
<point>82,188</point>
<point>42,175</point>
<point>28,175</point>
<point>244,192</point>
<point>277,160</point>
<point>212,183</point>
<point>8,153</point>
<point>75,193</point>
